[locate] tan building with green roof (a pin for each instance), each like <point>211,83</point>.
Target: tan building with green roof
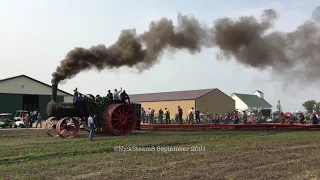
<point>253,101</point>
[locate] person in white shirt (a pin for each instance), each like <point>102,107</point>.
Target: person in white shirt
<point>191,115</point>
<point>116,94</point>
<point>91,127</point>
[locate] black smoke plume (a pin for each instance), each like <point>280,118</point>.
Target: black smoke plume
<point>245,39</point>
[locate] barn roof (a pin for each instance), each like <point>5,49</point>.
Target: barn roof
<point>22,75</point>
<point>169,96</point>
<point>253,100</point>
<point>258,91</point>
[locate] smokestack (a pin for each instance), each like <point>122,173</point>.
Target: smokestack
<point>54,92</point>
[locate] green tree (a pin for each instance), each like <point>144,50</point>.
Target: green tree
<point>317,108</point>
<point>279,108</point>
<point>310,105</point>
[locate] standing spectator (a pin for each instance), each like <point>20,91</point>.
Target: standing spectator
<point>291,118</point>
<point>160,117</point>
<point>143,115</point>
<point>236,117</point>
<point>191,115</point>
<point>167,116</point>
<point>314,119</point>
<point>148,115</point>
<point>245,117</point>
<point>252,119</point>
<point>216,119</point>
<point>282,118</point>
<point>24,119</point>
<point>302,119</point>
<point>31,118</point>
<point>180,113</point>
<point>259,118</point>
<point>91,127</point>
<point>221,119</point>
<point>197,116</point>
<point>227,118</point>
<point>35,116</point>
<point>274,118</point>
<point>151,116</point>
<point>39,121</point>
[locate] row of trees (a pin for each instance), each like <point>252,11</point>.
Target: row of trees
<point>279,108</point>
<point>312,106</point>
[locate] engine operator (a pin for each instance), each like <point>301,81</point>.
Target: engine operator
<point>124,96</point>
<point>116,94</point>
<point>79,101</point>
<point>75,96</point>
<point>109,95</point>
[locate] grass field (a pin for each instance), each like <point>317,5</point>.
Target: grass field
<point>31,154</point>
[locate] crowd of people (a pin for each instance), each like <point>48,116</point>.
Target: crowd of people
<point>163,116</point>
<point>193,116</point>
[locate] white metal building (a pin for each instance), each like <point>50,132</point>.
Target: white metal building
<point>253,101</point>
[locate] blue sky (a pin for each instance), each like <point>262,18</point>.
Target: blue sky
<point>36,34</point>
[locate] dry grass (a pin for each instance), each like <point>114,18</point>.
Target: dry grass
<point>31,154</point>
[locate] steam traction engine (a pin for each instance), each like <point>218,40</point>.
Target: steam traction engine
<point>111,117</point>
